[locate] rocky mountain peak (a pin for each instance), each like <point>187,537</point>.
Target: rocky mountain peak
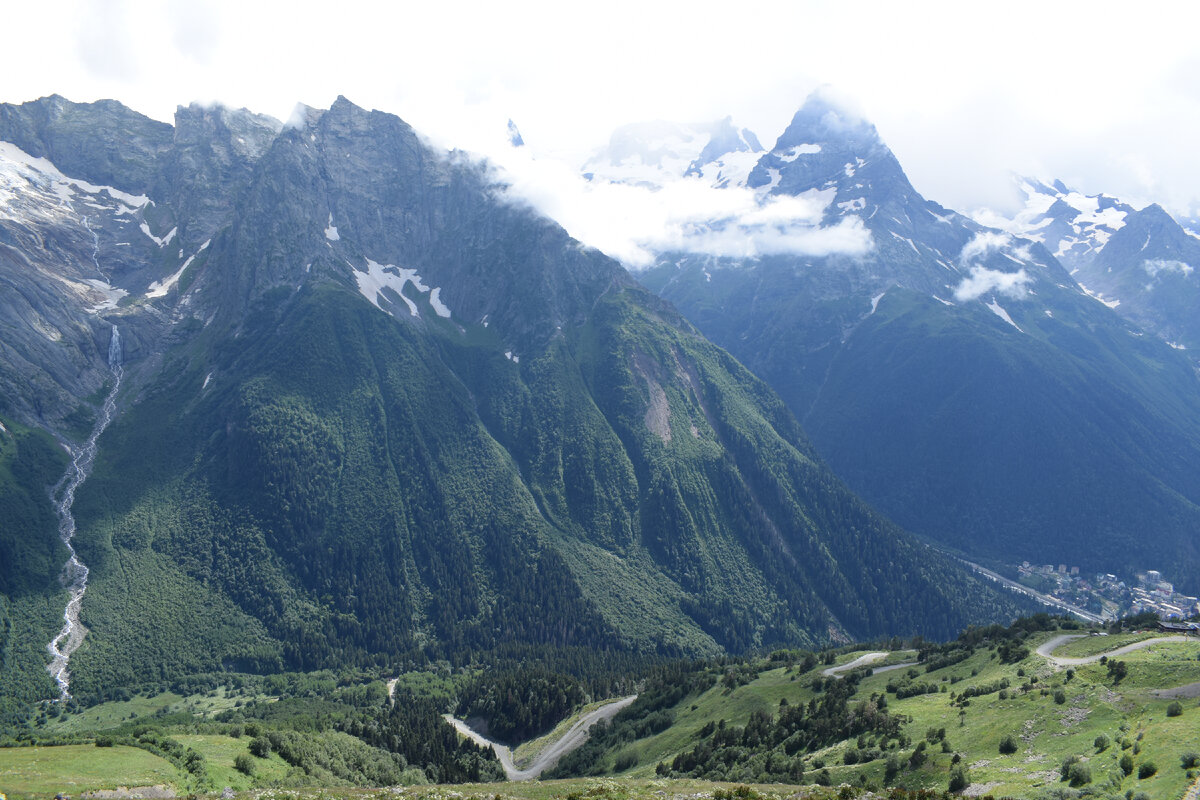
<point>103,142</point>
<point>827,147</point>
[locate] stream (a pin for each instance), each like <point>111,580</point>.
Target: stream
<point>75,574</point>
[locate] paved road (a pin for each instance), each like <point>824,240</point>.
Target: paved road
<point>866,658</point>
<point>891,667</point>
<point>1044,599</point>
<point>863,660</point>
<point>1060,661</point>
<point>575,736</point>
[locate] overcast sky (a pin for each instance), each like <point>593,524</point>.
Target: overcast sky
<point>1105,96</point>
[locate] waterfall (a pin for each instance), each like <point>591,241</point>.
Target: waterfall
<point>75,573</point>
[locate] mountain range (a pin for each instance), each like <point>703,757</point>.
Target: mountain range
<point>1137,261</point>
<point>958,376</point>
<point>371,410</point>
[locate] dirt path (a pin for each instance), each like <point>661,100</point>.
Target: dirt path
<point>891,667</point>
<point>866,658</point>
<point>575,736</point>
<point>1193,791</point>
<point>1058,641</point>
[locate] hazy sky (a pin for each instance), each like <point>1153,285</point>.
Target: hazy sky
<point>1104,95</point>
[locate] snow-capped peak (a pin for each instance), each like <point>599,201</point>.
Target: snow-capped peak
<point>656,153</point>
<point>1074,226</point>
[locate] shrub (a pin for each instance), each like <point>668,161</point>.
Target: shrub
<point>1060,696</point>
<point>260,746</point>
<point>1079,774</point>
<point>1008,745</point>
<point>959,779</point>
<point>1101,743</point>
<point>244,764</point>
<point>1146,769</point>
<point>1127,764</point>
<point>1175,709</point>
<point>1190,759</point>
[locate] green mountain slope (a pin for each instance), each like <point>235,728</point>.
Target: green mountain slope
<point>388,414</point>
<point>956,377</point>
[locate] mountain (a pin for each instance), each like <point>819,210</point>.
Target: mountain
<point>954,375</point>
<point>1138,262</point>
<point>1147,269</point>
<point>651,153</point>
<point>371,409</point>
<point>1073,226</point>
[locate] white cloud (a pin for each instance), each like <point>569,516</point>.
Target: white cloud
<point>634,222</point>
<point>942,81</point>
<point>1154,266</point>
<point>982,280</point>
<point>849,237</point>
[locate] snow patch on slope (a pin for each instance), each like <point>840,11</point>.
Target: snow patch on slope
<point>160,289</point>
<point>1097,296</point>
<point>164,241</point>
<point>999,311</point>
<point>435,300</point>
<point>110,295</point>
<point>17,165</point>
<point>387,282</point>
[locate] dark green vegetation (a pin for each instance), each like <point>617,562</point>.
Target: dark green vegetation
<point>1061,436</point>
<point>318,729</point>
<point>562,469</point>
<point>520,704</point>
<point>30,463</point>
<point>31,558</point>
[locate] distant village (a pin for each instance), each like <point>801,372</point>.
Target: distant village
<point>1106,595</point>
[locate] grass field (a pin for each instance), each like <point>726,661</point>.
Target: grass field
<point>41,772</point>
<point>116,712</point>
<point>219,753</point>
<point>1052,713</point>
<point>1094,645</point>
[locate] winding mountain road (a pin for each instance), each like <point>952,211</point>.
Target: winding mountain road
<point>862,661</point>
<point>1061,661</point>
<point>575,736</point>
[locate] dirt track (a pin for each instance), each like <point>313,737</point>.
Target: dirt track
<point>1058,641</point>
<point>575,736</point>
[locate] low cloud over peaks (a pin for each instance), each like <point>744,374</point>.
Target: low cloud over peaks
<point>635,222</point>
<point>981,280</point>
